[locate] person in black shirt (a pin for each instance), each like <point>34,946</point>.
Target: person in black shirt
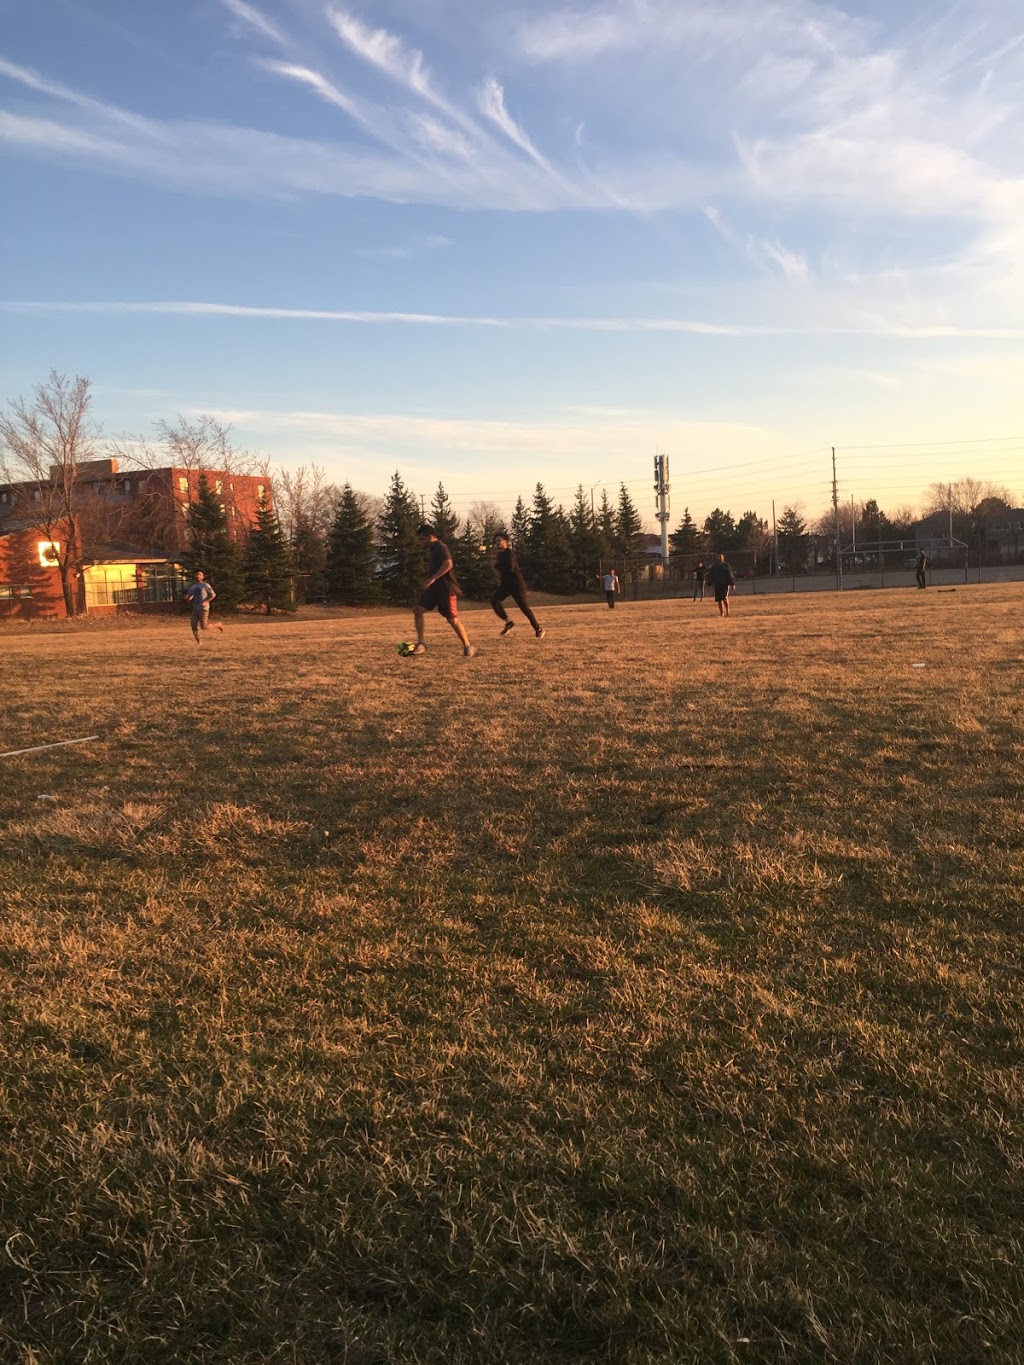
<point>722,579</point>
<point>699,574</point>
<point>440,591</point>
<point>919,568</point>
<point>511,585</point>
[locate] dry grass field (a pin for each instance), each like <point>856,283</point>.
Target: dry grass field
<point>652,992</point>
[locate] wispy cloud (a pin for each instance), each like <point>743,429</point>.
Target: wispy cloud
<point>491,101</point>
<point>250,15</point>
<point>387,52</point>
<point>637,325</point>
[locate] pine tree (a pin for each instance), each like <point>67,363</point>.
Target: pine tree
<point>629,531</point>
<point>606,530</point>
<point>687,539</point>
<point>550,555</point>
<point>474,563</point>
<point>720,531</point>
<point>443,517</point>
<point>792,531</point>
<point>309,558</point>
<point>520,532</point>
<point>403,561</point>
<point>754,536</point>
<point>269,577</point>
<point>584,540</point>
<point>351,561</point>
<point>211,549</point>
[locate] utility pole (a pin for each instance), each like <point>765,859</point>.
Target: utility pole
<point>661,488</point>
<point>423,506</point>
<point>835,509</point>
<point>775,539</point>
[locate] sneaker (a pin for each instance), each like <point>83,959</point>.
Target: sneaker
<point>468,652</point>
<point>419,649</point>
<point>539,634</point>
<point>509,625</point>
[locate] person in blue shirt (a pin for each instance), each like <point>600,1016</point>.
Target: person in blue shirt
<point>201,594</point>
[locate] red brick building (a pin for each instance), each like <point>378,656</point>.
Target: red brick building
<point>132,527</point>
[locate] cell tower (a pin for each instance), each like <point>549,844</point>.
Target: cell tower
<point>661,488</point>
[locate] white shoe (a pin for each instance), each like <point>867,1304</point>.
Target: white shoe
<point>419,649</point>
<point>539,634</point>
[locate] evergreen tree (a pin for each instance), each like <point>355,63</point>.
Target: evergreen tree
<point>309,558</point>
<point>687,539</point>
<point>720,531</point>
<point>351,562</point>
<point>474,562</point>
<point>584,540</point>
<point>606,530</point>
<point>402,559</point>
<point>443,517</point>
<point>792,531</point>
<point>269,578</point>
<point>550,555</point>
<point>520,532</point>
<point>211,549</point>
<point>754,536</point>
<point>629,531</point>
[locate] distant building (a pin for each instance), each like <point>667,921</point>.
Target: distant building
<point>133,527</point>
<point>999,534</point>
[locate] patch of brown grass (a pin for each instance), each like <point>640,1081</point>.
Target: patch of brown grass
<point>652,992</point>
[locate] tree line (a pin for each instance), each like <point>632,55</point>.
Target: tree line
<point>315,541</point>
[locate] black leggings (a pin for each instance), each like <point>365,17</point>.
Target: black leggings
<point>518,596</point>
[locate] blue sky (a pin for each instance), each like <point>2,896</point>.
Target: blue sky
<point>497,243</point>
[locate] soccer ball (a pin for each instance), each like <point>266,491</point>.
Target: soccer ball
<point>405,649</point>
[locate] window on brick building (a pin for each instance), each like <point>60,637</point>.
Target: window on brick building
<point>182,484</point>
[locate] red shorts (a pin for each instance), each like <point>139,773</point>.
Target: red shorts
<point>440,597</point>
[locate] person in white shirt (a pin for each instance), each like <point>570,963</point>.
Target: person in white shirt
<point>611,587</point>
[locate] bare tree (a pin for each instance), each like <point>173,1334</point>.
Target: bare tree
<point>963,497</point>
<point>487,519</point>
<point>200,445</point>
<point>304,496</point>
<point>371,505</point>
<point>45,444</point>
<point>757,539</point>
<point>306,504</point>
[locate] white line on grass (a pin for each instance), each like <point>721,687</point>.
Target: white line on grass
<point>56,745</point>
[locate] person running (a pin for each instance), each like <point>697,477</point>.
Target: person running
<point>201,594</point>
<point>611,587</point>
<point>440,590</point>
<point>722,579</point>
<point>511,585</point>
<point>699,576</point>
<point>919,568</point>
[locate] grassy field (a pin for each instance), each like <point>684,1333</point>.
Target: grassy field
<point>652,992</point>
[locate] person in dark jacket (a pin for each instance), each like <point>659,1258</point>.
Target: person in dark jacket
<point>919,568</point>
<point>511,585</point>
<point>722,579</point>
<point>699,577</point>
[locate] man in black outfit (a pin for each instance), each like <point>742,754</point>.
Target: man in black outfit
<point>511,585</point>
<point>721,578</point>
<point>919,568</point>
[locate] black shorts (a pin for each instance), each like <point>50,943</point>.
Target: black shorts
<point>721,593</point>
<point>440,597</point>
